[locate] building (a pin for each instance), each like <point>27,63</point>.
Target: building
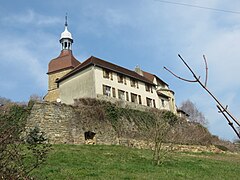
<point>68,79</point>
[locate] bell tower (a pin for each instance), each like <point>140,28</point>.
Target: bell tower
<point>61,65</point>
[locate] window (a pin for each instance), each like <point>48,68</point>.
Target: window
<point>107,74</point>
<point>127,96</point>
<point>106,90</point>
<point>163,103</point>
<point>121,95</point>
<point>139,99</point>
<point>149,102</point>
<point>120,78</point>
<point>154,104</point>
<point>148,88</point>
<point>113,92</point>
<point>57,83</point>
<point>133,98</point>
<point>134,83</point>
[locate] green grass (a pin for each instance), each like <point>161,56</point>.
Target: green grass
<point>116,162</point>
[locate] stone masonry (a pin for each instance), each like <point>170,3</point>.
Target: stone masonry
<point>62,124</point>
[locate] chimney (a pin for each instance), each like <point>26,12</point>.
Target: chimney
<point>138,70</point>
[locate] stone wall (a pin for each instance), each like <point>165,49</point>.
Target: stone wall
<point>68,124</point>
<point>63,124</point>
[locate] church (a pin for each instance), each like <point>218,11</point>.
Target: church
<point>70,79</point>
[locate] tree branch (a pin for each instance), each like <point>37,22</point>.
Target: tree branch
<point>187,80</point>
<point>206,69</point>
<point>222,109</point>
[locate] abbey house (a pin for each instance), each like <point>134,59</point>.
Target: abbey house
<point>69,79</point>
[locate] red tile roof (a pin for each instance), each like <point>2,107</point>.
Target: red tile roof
<point>65,60</point>
<point>107,65</point>
<point>150,77</point>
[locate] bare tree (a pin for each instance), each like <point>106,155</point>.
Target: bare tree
<point>222,109</point>
<point>36,97</point>
<point>4,101</point>
<point>164,123</point>
<point>194,114</point>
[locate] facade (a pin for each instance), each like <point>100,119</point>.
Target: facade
<point>96,78</point>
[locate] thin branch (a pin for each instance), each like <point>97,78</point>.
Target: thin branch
<point>194,75</point>
<point>187,80</point>
<point>222,109</point>
<point>229,122</point>
<point>206,68</point>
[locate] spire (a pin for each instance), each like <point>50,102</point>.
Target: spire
<point>66,37</point>
<point>66,20</point>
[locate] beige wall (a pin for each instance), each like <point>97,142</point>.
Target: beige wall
<point>121,86</point>
<point>89,83</point>
<point>170,94</point>
<point>80,85</point>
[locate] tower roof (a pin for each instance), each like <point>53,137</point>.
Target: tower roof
<point>64,61</point>
<point>66,34</point>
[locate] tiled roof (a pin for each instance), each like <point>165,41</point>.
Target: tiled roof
<point>65,60</point>
<point>107,65</point>
<point>150,77</point>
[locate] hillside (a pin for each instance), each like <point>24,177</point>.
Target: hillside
<point>104,162</point>
<point>117,162</point>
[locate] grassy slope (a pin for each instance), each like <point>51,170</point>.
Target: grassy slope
<point>116,162</point>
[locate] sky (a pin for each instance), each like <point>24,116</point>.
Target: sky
<point>147,33</point>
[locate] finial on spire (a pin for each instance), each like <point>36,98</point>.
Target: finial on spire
<point>66,20</point>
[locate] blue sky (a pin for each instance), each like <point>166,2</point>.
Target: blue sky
<point>147,33</point>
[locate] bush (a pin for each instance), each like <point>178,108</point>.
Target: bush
<point>14,157</point>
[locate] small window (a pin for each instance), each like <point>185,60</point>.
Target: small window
<point>120,78</point>
<point>148,88</point>
<point>133,98</point>
<point>106,90</point>
<point>65,45</point>
<point>57,83</point>
<point>139,99</point>
<point>107,74</point>
<point>163,102</point>
<point>121,94</point>
<point>134,83</point>
<point>113,92</point>
<point>149,102</point>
